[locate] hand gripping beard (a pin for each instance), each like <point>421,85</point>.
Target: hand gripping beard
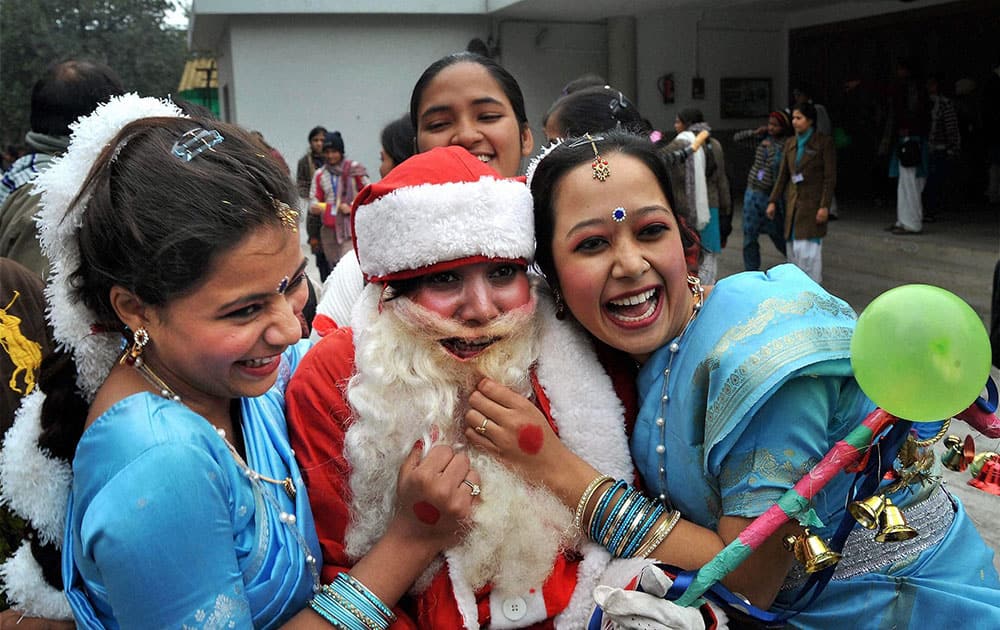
<point>415,371</point>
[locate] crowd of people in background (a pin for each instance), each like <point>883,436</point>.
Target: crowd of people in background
<point>437,436</point>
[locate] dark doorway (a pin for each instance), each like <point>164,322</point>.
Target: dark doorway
<point>850,65</point>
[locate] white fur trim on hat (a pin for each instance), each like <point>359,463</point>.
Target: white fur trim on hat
<point>94,354</point>
<point>418,226</point>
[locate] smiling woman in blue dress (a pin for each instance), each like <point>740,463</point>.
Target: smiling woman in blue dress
<point>177,291</point>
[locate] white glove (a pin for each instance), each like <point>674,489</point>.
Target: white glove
<point>635,610</point>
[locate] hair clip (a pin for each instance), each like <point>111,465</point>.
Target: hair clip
<point>618,214</point>
<point>283,286</point>
<point>195,142</point>
<point>288,216</point>
<point>617,105</point>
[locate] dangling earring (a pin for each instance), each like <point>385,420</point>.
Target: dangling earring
<point>560,305</point>
<point>133,356</point>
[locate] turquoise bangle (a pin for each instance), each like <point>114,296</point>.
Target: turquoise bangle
<point>602,529</point>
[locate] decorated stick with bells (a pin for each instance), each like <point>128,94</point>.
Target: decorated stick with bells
<point>920,353</point>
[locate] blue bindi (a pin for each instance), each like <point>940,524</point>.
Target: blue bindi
<point>618,214</point>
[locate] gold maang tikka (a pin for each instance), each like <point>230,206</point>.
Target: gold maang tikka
<point>599,165</point>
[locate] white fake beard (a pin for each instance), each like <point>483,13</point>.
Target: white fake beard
<point>408,387</point>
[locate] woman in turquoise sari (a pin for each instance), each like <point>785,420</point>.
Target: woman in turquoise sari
<point>743,388</point>
<point>177,290</point>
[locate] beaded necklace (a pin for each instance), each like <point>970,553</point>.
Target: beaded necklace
<point>255,477</point>
<point>698,292</point>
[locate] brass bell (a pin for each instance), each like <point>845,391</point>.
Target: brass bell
<point>892,524</point>
<point>953,458</point>
<point>867,512</point>
<point>814,554</point>
<point>959,454</point>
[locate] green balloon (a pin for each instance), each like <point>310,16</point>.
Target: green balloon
<point>920,352</point>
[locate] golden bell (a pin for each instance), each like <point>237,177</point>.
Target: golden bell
<point>892,523</point>
<point>954,458</point>
<point>814,553</point>
<point>867,512</point>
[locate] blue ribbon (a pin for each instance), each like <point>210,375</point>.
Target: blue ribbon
<point>718,595</point>
<point>990,405</point>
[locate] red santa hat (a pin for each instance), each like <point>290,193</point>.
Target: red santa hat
<point>439,210</point>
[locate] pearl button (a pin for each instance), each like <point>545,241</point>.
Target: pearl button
<point>514,608</point>
<point>661,449</point>
<point>674,346</point>
<point>659,422</point>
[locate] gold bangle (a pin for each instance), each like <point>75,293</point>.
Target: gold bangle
<point>587,495</point>
<point>661,533</point>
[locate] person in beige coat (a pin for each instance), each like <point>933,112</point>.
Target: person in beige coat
<point>807,178</point>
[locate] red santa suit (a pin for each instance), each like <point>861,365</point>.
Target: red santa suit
<point>579,399</point>
<point>439,210</point>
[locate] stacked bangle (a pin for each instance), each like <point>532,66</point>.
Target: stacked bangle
<point>347,604</point>
<point>623,520</point>
<point>660,535</point>
<point>581,507</point>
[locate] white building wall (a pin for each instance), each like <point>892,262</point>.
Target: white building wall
<point>545,56</point>
<point>285,73</point>
<point>349,73</point>
<point>689,43</point>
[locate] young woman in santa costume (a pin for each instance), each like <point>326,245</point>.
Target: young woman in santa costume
<point>444,243</point>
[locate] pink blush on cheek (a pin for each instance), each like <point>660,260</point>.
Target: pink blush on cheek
<point>426,512</point>
<point>530,439</point>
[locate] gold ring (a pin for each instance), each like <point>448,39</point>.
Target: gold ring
<point>474,487</point>
<point>481,429</point>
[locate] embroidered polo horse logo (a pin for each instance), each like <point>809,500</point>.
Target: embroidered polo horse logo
<point>25,354</point>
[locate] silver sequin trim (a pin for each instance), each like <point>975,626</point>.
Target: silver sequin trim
<point>863,554</point>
